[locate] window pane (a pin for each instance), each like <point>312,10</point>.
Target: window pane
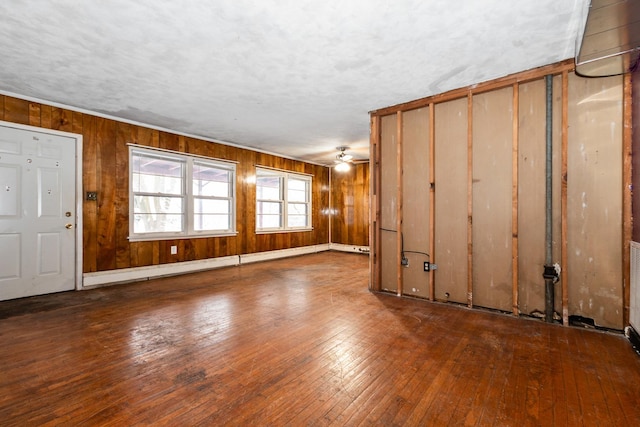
<point>210,181</point>
<point>268,221</point>
<point>297,184</point>
<point>268,188</point>
<point>211,222</point>
<point>157,175</point>
<point>297,215</point>
<point>296,221</point>
<point>297,195</point>
<point>157,214</point>
<point>297,208</point>
<point>272,208</point>
<point>157,204</point>
<point>211,206</point>
<point>157,223</point>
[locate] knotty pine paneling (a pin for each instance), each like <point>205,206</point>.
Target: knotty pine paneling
<point>350,206</point>
<point>105,170</point>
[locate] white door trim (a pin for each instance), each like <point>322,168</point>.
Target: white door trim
<point>78,196</point>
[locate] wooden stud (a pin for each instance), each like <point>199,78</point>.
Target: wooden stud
<point>627,217</point>
<point>470,200</point>
<point>374,226</point>
<point>564,274</point>
<point>514,195</point>
<point>399,238</point>
<point>432,198</point>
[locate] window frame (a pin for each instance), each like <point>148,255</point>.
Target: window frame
<point>187,194</point>
<point>284,177</point>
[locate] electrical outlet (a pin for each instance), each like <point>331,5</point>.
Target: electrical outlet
<point>427,266</point>
<point>174,250</point>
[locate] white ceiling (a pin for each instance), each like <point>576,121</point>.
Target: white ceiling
<point>296,78</point>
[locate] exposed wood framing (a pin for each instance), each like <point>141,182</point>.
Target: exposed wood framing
<point>432,197</point>
<point>374,227</point>
<point>627,218</point>
<point>564,275</point>
<point>523,77</point>
<point>399,232</point>
<point>562,70</point>
<point>514,195</point>
<point>469,200</point>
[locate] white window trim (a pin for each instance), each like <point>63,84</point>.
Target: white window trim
<point>188,225</point>
<point>286,175</point>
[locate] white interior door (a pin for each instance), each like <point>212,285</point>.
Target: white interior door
<point>37,213</point>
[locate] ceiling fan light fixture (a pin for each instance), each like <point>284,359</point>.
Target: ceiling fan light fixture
<point>342,167</point>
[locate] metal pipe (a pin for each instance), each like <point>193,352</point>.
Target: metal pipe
<point>549,281</point>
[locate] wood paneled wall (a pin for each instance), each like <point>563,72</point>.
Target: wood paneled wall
<point>106,170</point>
<point>350,206</point>
<point>489,184</point>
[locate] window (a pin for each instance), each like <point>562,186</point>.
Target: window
<point>283,201</point>
<point>175,195</point>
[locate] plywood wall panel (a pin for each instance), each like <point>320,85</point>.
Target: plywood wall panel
<point>389,199</point>
<point>415,205</point>
<point>556,241</point>
<point>594,199</point>
<point>531,196</point>
<point>450,165</point>
<point>531,193</point>
<point>492,199</point>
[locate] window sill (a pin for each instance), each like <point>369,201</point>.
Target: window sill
<point>179,236</point>
<point>290,230</point>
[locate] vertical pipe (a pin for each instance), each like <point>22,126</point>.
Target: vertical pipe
<point>549,283</point>
<point>432,198</point>
<point>399,230</point>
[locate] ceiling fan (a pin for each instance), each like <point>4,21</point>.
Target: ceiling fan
<point>343,160</point>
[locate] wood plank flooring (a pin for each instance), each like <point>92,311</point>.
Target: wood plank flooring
<point>299,341</point>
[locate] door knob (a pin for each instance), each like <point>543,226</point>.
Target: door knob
<point>68,226</point>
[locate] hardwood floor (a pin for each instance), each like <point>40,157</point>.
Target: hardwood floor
<point>299,341</point>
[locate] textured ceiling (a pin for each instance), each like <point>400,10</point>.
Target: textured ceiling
<point>296,78</point>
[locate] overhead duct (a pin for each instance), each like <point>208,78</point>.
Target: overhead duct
<point>610,44</point>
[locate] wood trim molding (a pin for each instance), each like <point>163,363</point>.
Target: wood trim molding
<point>470,200</point>
<point>432,198</point>
<point>564,274</point>
<point>514,199</point>
<point>627,217</point>
<point>399,239</point>
<point>522,77</point>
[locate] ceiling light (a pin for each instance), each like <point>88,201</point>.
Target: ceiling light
<point>342,160</point>
<point>342,167</point>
